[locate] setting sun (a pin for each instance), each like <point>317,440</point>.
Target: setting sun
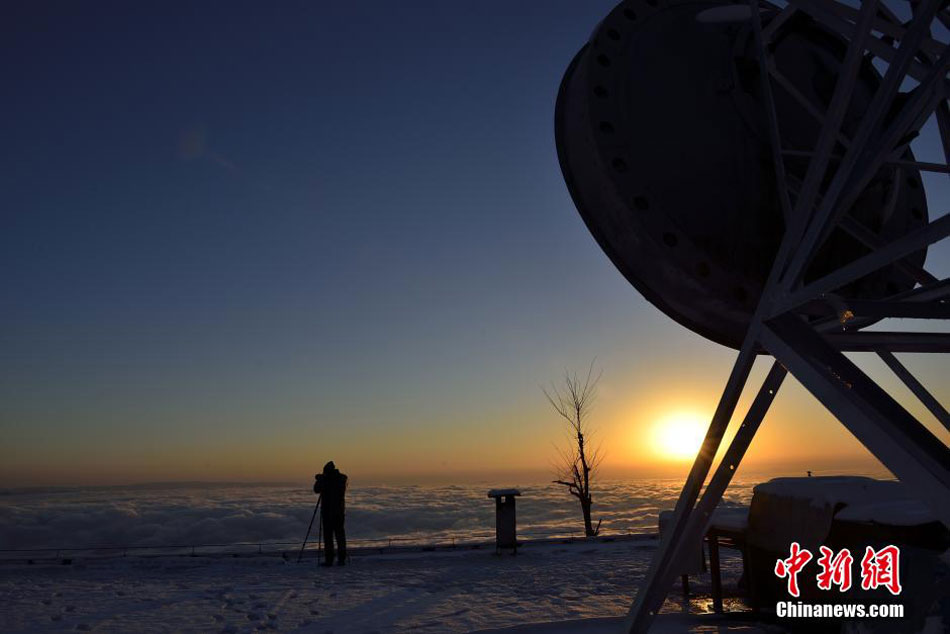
<point>678,436</point>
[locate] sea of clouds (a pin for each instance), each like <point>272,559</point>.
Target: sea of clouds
<point>203,513</point>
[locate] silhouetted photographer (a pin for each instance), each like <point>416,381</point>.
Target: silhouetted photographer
<point>331,486</point>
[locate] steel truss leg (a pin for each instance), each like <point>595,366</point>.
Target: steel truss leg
<point>654,588</point>
<point>879,422</point>
<point>690,524</point>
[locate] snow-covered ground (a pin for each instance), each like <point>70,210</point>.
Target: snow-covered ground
<point>578,585</point>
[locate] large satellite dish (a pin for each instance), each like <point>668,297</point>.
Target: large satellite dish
<point>747,167</point>
<point>663,136</point>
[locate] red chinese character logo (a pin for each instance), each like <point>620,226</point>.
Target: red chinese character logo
<point>792,566</point>
<point>835,570</point>
<point>881,568</point>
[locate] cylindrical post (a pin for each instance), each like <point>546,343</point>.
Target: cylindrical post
<point>714,571</point>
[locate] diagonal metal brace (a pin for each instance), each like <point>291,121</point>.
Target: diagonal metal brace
<point>696,523</point>
<point>915,386</point>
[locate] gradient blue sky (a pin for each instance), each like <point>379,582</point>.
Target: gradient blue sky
<point>239,239</point>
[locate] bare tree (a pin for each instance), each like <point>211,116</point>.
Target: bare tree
<point>573,401</point>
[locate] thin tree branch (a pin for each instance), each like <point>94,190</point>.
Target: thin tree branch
<point>573,402</point>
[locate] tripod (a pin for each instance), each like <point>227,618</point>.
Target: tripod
<point>309,528</point>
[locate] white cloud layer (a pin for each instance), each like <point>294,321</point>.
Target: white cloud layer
<point>185,515</point>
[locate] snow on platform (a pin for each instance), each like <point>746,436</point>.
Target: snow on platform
<point>862,499</point>
<point>556,585</point>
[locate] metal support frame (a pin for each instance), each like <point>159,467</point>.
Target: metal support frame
<point>907,448</point>
<point>876,309</point>
<point>915,386</point>
<point>812,351</point>
<point>903,246</point>
<point>873,341</point>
